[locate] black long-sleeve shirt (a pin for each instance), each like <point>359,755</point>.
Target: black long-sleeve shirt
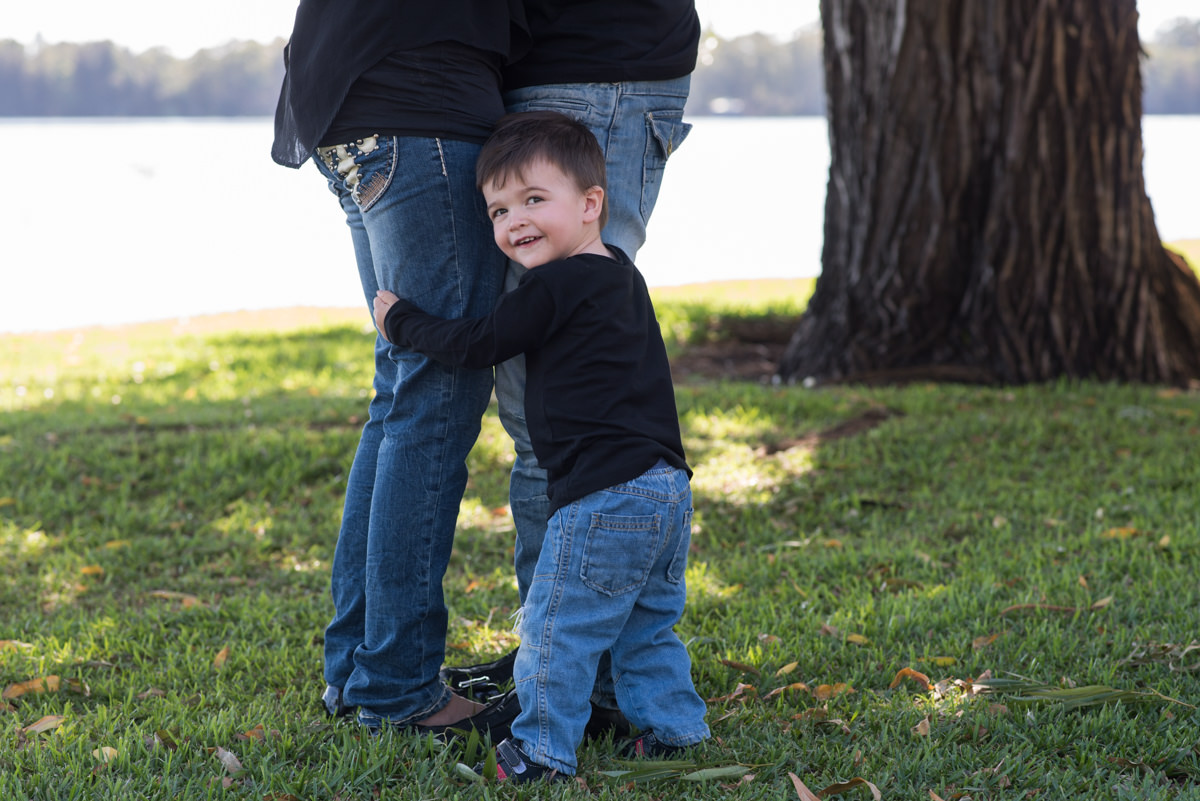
<point>606,41</point>
<point>599,401</point>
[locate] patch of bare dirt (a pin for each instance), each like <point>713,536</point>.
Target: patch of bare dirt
<point>730,360</point>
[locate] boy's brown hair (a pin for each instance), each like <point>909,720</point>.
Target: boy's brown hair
<point>528,136</point>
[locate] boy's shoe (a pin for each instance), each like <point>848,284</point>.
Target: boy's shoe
<point>482,681</point>
<point>647,746</point>
<point>512,765</point>
<point>493,720</point>
<point>334,705</point>
<point>607,721</point>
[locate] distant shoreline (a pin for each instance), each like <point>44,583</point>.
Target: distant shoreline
<point>295,317</point>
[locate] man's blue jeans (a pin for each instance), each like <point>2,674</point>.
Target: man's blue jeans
<point>610,578</point>
<point>639,124</point>
<point>419,229</point>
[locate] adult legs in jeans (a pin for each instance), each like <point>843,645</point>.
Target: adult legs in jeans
<point>639,124</point>
<point>419,229</point>
<point>611,576</point>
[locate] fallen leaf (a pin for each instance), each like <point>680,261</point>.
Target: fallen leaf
<point>794,687</point>
<point>828,631</point>
<point>14,645</point>
<point>228,760</point>
<point>153,692</point>
<point>826,691</point>
<point>857,639</point>
<point>922,728</point>
<point>842,787</point>
<point>44,724</point>
<point>749,777</point>
<point>740,666</point>
<point>6,501</point>
<point>816,713</point>
<point>91,570</point>
<point>105,754</point>
<point>112,545</point>
<point>46,684</point>
<point>185,599</point>
<point>898,584</point>
<point>740,690</point>
<point>707,774</point>
<point>1103,602</point>
<point>786,669</point>
<point>257,733</point>
<point>979,643</point>
<point>220,659</point>
<point>769,639</point>
<point>803,792</point>
<point>1121,533</point>
<point>909,673</point>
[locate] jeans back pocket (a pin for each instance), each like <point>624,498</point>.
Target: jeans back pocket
<point>619,552</point>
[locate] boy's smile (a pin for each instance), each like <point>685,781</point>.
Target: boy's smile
<point>542,216</point>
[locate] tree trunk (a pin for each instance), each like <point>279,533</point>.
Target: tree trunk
<point>986,216</point>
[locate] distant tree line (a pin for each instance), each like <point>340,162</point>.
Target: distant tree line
<point>753,75</point>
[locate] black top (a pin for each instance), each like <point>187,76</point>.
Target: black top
<point>599,401</point>
<point>445,89</point>
<point>607,41</point>
<point>334,42</point>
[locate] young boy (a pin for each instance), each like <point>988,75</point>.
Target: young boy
<point>601,412</point>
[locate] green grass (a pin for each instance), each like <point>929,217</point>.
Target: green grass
<point>169,500</point>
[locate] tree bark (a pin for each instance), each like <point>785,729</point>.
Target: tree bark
<point>986,216</point>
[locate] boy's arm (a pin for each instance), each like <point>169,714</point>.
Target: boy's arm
<point>518,323</point>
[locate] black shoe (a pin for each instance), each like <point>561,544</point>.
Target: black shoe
<point>512,765</point>
<point>331,699</point>
<point>493,720</point>
<point>481,681</point>
<point>648,746</point>
<point>607,721</point>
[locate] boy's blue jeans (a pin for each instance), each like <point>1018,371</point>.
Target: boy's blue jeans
<point>639,124</point>
<point>419,229</point>
<point>610,578</point>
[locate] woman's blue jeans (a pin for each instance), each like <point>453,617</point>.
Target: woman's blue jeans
<point>610,579</point>
<point>419,229</point>
<point>639,124</point>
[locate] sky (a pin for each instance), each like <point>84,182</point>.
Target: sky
<point>188,27</point>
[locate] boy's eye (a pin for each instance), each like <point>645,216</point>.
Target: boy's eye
<point>532,200</point>
<point>498,213</point>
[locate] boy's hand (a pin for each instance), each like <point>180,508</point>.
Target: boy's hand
<point>383,301</point>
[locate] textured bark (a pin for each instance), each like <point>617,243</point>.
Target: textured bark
<point>986,216</point>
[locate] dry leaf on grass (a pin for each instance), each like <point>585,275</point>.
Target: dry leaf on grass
<point>44,684</point>
<point>803,792</point>
<point>229,760</point>
<point>909,673</point>
<point>740,666</point>
<point>220,659</point>
<point>44,724</point>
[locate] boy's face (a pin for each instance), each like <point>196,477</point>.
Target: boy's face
<point>542,216</point>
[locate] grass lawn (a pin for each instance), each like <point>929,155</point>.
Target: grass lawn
<point>935,591</point>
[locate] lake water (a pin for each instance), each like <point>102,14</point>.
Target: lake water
<point>112,221</point>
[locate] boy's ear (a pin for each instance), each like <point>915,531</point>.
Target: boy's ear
<point>593,203</point>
